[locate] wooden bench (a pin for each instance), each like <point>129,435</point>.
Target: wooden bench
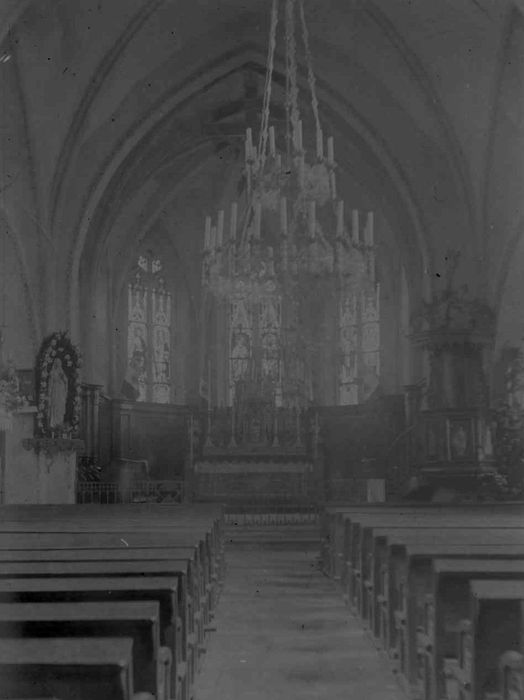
<point>191,633</point>
<point>359,530</point>
<point>493,628</point>
<point>442,610</point>
<point>138,620</point>
<point>122,541</point>
<point>206,524</point>
<point>407,581</point>
<point>70,542</point>
<point>365,558</point>
<point>69,669</point>
<point>85,589</point>
<point>342,518</point>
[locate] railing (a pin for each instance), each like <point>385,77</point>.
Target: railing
<point>107,492</point>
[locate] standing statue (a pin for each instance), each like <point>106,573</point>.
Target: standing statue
<point>57,395</point>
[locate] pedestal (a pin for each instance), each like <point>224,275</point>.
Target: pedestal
<point>53,469</point>
<point>37,470</point>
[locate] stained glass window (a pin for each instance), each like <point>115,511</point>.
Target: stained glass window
<point>149,331</point>
<point>254,339</point>
<point>359,333</point>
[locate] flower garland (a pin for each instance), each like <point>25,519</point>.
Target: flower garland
<point>10,399</point>
<point>58,346</point>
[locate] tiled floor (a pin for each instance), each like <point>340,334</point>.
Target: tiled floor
<point>283,634</point>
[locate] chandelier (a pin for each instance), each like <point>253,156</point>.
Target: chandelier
<point>288,241</point>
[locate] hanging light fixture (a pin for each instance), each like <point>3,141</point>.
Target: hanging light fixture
<point>289,248</point>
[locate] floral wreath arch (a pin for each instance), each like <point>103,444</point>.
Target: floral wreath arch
<point>58,357</point>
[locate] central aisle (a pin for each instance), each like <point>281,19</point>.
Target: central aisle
<point>283,634</point>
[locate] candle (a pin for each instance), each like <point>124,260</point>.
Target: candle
<point>258,215</point>
<point>320,144</point>
<point>355,227</point>
<point>249,144</point>
<point>312,218</point>
<point>209,385</point>
<point>299,135</point>
<point>283,230</point>
<point>213,238</point>
<point>368,234</point>
<point>272,146</point>
<point>300,171</point>
<point>233,222</point>
<point>207,236</point>
<point>283,216</point>
<point>340,219</point>
<point>333,183</point>
<point>331,150</point>
<point>220,228</point>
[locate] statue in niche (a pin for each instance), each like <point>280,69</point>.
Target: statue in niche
<point>240,356</point>
<point>57,394</point>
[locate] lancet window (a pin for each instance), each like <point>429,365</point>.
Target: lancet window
<point>149,334</point>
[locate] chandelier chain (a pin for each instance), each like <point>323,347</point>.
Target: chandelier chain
<point>310,72</point>
<point>291,55</point>
<point>262,144</point>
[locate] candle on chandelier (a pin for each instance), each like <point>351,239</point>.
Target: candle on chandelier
<point>207,235</point>
<point>331,150</point>
<point>299,135</point>
<point>300,165</point>
<point>283,230</point>
<point>213,239</point>
<point>368,232</point>
<point>320,144</point>
<point>340,219</point>
<point>233,222</point>
<point>355,227</point>
<point>258,216</point>
<point>249,144</point>
<point>283,216</point>
<point>220,228</point>
<point>272,146</point>
<point>312,219</point>
<point>333,184</point>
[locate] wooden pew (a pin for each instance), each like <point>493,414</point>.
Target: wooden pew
<point>203,522</point>
<point>69,669</point>
<point>142,533</point>
<point>359,530</point>
<point>336,518</point>
<point>162,589</point>
<point>138,620</point>
<point>408,578</point>
<point>493,628</point>
<point>190,632</point>
<point>444,608</point>
<point>362,572</point>
<point>118,540</point>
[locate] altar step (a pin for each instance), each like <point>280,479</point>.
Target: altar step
<point>270,516</point>
<point>301,538</point>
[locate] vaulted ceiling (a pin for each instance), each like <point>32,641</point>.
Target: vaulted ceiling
<point>113,110</point>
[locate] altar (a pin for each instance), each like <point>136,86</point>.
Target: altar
<point>257,481</point>
<point>265,456</point>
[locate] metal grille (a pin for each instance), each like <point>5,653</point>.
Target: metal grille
<point>107,492</point>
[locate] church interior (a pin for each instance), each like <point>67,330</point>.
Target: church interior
<point>261,349</point>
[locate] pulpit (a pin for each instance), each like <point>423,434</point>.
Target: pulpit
<point>452,419</point>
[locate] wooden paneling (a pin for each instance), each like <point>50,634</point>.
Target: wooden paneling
<point>154,432</point>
